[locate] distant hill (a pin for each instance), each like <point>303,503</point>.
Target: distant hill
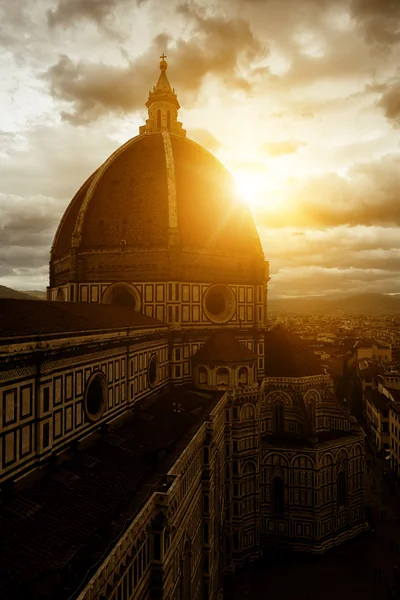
<point>6,292</point>
<point>360,304</point>
<point>40,294</point>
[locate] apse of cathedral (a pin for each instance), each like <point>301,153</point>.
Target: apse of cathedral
<point>156,433</point>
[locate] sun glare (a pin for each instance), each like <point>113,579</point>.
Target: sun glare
<point>251,188</point>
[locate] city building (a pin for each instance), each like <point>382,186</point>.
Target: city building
<point>156,435</point>
<point>394,429</point>
<point>377,418</point>
<point>370,349</point>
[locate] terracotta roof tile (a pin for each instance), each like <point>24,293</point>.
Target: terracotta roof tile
<point>223,347</point>
<point>24,317</point>
<point>380,401</point>
<point>287,355</point>
<point>69,512</point>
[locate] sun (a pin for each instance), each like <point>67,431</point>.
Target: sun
<point>251,187</point>
<point>263,192</point>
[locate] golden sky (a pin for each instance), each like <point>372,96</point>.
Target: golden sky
<point>299,99</point>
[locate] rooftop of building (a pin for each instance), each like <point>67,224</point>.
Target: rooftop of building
<point>288,440</point>
<point>394,393</point>
<point>65,521</point>
<point>223,347</point>
<point>369,342</point>
<point>380,401</point>
<point>287,355</point>
<point>22,318</point>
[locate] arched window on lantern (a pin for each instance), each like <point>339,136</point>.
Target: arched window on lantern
<point>243,376</point>
<point>223,377</point>
<point>203,376</point>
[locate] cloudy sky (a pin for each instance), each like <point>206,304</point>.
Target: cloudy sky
<point>299,98</point>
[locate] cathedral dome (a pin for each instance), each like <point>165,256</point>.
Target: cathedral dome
<point>160,207</point>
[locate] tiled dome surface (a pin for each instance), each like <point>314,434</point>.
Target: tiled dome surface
<point>128,198</point>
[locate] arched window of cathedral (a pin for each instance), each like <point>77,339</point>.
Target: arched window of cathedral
<point>186,571</point>
<point>222,376</point>
<point>203,376</point>
<point>158,120</point>
<point>279,417</point>
<point>60,295</point>
<point>249,469</point>
<point>124,299</point>
<point>311,412</point>
<point>247,412</point>
<point>152,371</point>
<point>341,489</point>
<point>123,295</point>
<point>277,496</point>
<point>243,376</point>
<point>169,120</point>
<point>95,396</point>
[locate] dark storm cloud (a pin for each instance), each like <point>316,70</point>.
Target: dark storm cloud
<point>27,228</point>
<point>13,16</point>
<point>216,47</point>
<point>343,258</point>
<point>319,281</point>
<point>344,247</point>
<point>390,102</point>
<point>69,12</point>
<point>94,90</point>
<point>51,162</point>
<point>378,19</point>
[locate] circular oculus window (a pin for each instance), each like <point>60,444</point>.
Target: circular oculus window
<point>152,370</point>
<point>219,303</point>
<point>123,295</point>
<point>95,397</point>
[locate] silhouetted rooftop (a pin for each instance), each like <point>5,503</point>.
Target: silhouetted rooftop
<point>395,393</point>
<point>380,401</point>
<point>20,318</point>
<point>369,342</point>
<point>287,355</point>
<point>292,440</point>
<point>73,511</point>
<point>223,347</point>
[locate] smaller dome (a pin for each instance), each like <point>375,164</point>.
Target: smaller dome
<point>287,355</point>
<point>223,347</point>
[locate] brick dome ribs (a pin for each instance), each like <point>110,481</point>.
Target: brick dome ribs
<point>160,208</point>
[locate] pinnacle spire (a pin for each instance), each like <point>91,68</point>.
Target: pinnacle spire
<point>162,106</point>
<point>163,86</point>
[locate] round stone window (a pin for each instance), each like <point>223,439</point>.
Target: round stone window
<point>152,371</point>
<point>219,303</point>
<point>95,397</point>
<point>123,295</point>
